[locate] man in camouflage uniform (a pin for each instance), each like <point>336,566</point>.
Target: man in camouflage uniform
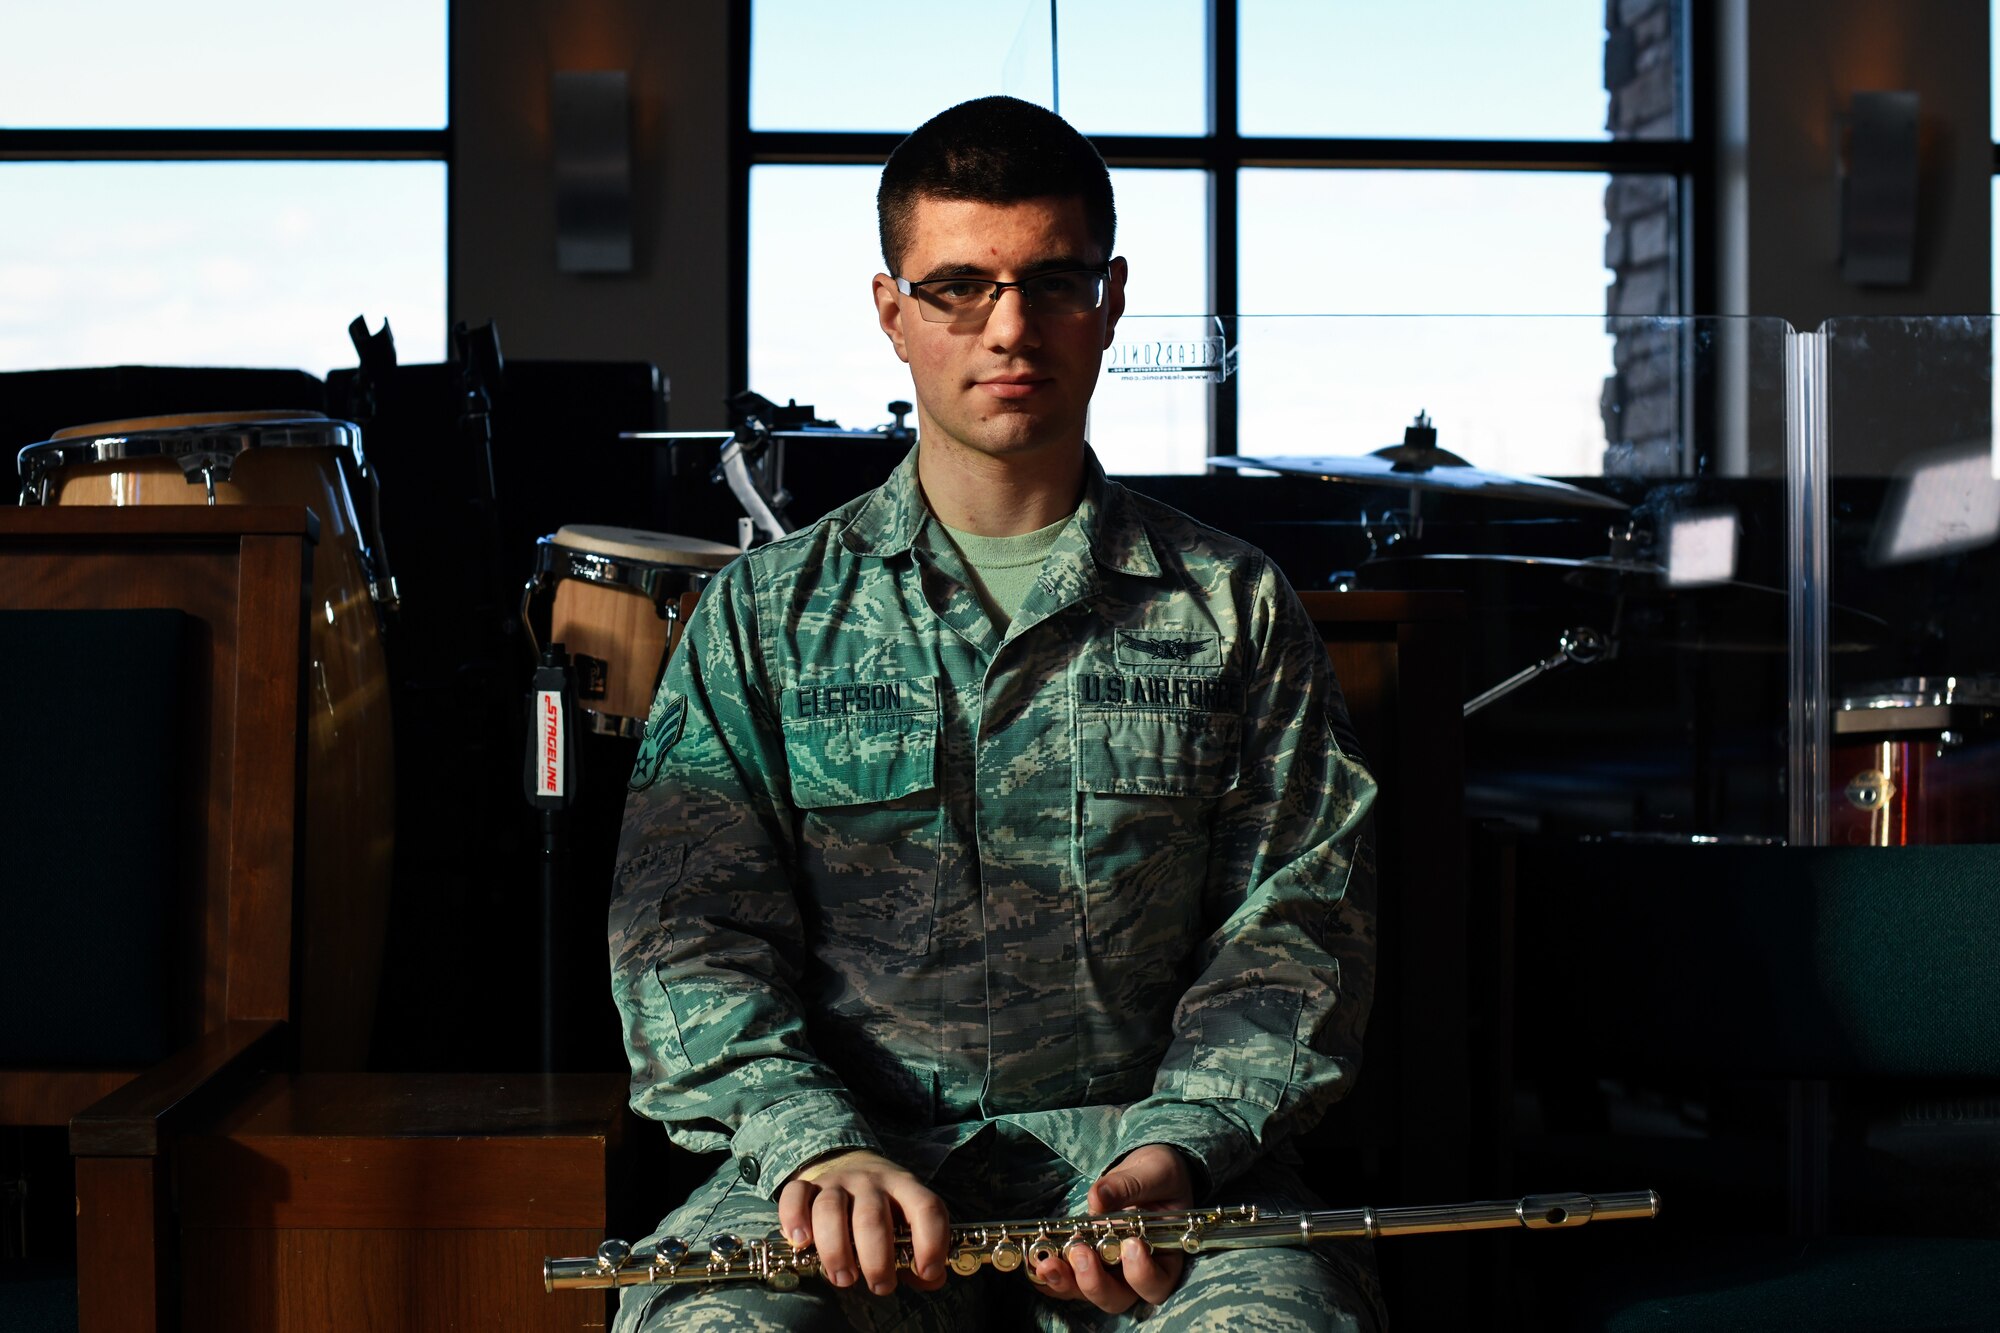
<point>950,893</point>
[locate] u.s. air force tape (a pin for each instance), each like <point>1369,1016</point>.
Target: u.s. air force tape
<point>1195,694</point>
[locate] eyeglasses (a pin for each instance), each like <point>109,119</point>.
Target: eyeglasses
<point>1069,291</point>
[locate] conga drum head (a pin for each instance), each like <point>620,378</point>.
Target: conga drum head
<point>660,548</point>
<point>183,420</point>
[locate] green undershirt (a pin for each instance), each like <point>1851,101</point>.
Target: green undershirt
<point>1004,568</point>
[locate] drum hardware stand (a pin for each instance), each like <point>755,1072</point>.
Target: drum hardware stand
<point>375,357</point>
<point>1580,646</point>
<point>1419,453</point>
<point>1631,541</point>
<point>479,369</point>
<point>550,778</point>
<point>753,463</point>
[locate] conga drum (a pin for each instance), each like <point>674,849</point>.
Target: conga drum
<point>618,599</point>
<point>286,458</point>
<point>1917,761</point>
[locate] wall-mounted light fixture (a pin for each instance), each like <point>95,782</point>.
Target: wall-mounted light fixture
<point>1878,190</point>
<point>591,124</point>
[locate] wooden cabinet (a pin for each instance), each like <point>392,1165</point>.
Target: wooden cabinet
<point>398,1203</point>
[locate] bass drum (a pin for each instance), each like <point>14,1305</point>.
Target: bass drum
<point>1916,761</point>
<point>287,458</point>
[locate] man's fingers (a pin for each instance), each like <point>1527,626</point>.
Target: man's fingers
<point>1112,1192</point>
<point>1151,1176</point>
<point>875,1241</point>
<point>1057,1280</point>
<point>1152,1274</point>
<point>926,1283</point>
<point>1100,1284</point>
<point>795,1202</point>
<point>831,1237</point>
<point>851,1206</point>
<point>930,1235</point>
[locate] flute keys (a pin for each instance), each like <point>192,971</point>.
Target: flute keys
<point>966,1262</point>
<point>613,1255</point>
<point>1007,1256</point>
<point>670,1253</point>
<point>781,1262</point>
<point>1110,1249</point>
<point>726,1248</point>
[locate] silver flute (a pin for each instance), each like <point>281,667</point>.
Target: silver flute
<point>1007,1246</point>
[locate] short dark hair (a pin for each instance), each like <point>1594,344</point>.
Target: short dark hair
<point>993,150</point>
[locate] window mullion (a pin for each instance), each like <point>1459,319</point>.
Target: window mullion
<point>1223,218</point>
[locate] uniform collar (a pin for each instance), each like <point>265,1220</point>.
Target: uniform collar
<point>889,522</point>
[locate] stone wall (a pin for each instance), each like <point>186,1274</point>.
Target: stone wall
<point>1642,243</point>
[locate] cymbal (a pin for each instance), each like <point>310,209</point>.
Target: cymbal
<point>1736,614</point>
<point>1612,564</point>
<point>1420,468</point>
<point>812,435</point>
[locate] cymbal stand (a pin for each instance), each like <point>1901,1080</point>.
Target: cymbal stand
<point>1391,530</point>
<point>1580,646</point>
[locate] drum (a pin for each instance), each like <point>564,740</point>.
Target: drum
<point>1917,761</point>
<point>618,600</point>
<point>286,458</point>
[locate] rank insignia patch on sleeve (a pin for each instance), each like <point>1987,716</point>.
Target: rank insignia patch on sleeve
<point>663,730</point>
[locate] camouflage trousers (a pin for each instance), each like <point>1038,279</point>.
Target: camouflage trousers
<point>1330,1286</point>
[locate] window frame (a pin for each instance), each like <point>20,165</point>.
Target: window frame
<point>1223,152</point>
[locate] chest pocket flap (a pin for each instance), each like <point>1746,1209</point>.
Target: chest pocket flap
<point>854,742</point>
<point>1141,749</point>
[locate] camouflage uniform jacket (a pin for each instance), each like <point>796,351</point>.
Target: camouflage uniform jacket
<point>887,875</point>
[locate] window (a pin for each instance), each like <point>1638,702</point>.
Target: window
<point>174,198</point>
<point>1272,157</point>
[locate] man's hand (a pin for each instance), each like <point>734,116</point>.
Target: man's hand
<point>1152,1177</point>
<point>848,1206</point>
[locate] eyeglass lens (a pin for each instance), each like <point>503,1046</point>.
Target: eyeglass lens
<point>970,300</point>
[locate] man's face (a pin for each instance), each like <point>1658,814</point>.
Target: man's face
<point>1018,384</point>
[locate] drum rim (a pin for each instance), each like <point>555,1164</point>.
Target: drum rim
<point>1940,691</point>
<point>231,438</point>
<point>555,562</point>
